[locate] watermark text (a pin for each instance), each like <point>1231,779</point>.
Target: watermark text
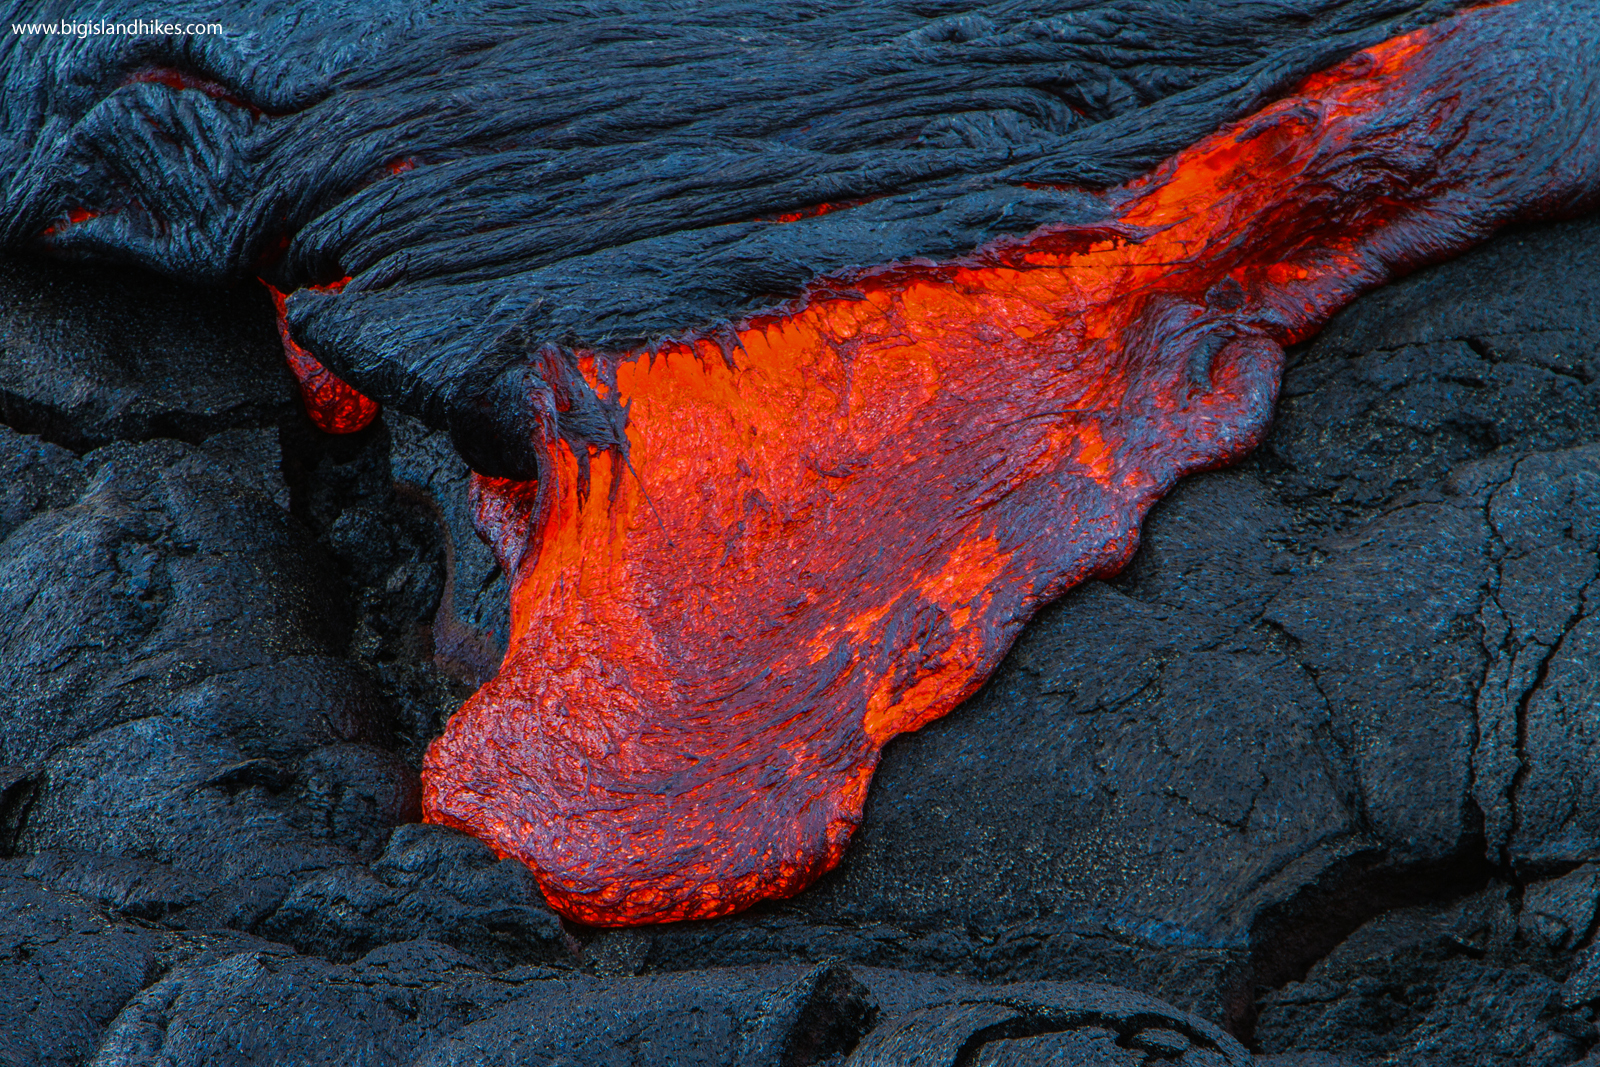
<point>105,27</point>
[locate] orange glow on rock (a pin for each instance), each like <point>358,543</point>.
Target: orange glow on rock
<point>74,216</point>
<point>835,539</point>
<point>818,209</point>
<point>182,81</point>
<point>333,405</point>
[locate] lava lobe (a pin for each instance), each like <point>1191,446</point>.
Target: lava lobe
<point>829,532</point>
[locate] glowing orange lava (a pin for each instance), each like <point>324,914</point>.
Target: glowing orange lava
<point>836,539</point>
<point>332,404</point>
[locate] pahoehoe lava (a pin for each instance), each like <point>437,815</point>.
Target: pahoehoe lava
<point>833,535</point>
<point>957,381</point>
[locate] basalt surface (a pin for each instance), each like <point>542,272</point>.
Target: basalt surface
<point>1314,770</point>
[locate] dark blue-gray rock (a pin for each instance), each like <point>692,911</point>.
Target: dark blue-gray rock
<point>1434,986</point>
<point>430,882</point>
<point>173,685</point>
<point>419,1003</point>
<point>65,972</point>
<point>68,967</point>
<point>943,1023</point>
<point>91,355</point>
<point>473,621</point>
<point>268,1005</point>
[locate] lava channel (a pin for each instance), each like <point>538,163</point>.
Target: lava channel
<point>833,537</point>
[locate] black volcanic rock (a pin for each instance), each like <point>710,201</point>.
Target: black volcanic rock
<point>94,355</point>
<point>473,621</point>
<point>419,1003</point>
<point>67,968</point>
<point>34,476</point>
<point>751,1017</point>
<point>1443,984</point>
<point>430,882</point>
<point>942,1022</point>
<point>270,1006</point>
<point>173,683</point>
<point>65,972</point>
<point>391,544</point>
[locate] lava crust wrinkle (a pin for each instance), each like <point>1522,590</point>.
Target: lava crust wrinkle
<point>828,531</point>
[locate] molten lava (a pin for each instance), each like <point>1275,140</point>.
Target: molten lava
<point>332,404</point>
<point>833,537</point>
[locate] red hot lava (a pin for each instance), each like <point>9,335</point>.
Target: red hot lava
<point>332,404</point>
<point>836,540</point>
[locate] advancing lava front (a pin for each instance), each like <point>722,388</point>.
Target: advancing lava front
<point>829,532</point>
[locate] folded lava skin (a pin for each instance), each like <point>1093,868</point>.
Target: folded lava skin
<point>959,379</point>
<point>498,178</point>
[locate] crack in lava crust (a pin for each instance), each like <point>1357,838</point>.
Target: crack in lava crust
<point>834,536</point>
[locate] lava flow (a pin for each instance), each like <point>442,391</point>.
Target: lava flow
<point>834,535</point>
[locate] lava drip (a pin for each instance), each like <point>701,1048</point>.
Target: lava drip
<point>833,535</point>
<point>332,404</point>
